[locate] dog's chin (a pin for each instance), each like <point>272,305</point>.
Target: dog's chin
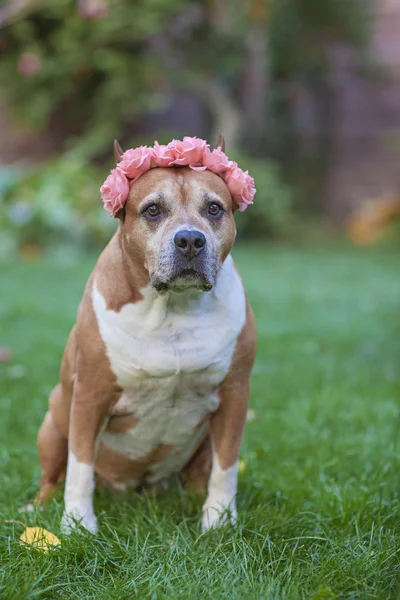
<point>185,280</point>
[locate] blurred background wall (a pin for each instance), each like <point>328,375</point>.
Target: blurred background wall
<point>306,93</point>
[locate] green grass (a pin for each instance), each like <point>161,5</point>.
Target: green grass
<point>319,511</point>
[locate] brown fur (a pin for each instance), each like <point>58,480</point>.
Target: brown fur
<point>122,423</point>
<point>196,472</point>
<point>115,468</point>
<point>227,424</point>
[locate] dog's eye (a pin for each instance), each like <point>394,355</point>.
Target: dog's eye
<point>153,211</point>
<point>214,209</point>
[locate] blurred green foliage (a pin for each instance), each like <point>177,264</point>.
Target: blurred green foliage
<point>302,33</point>
<point>54,205</point>
<point>273,205</point>
<point>97,70</point>
<point>88,72</point>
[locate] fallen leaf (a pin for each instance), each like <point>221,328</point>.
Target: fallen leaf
<point>39,538</point>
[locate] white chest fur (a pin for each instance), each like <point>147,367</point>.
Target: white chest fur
<point>169,354</point>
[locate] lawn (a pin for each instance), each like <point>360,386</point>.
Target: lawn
<point>319,510</point>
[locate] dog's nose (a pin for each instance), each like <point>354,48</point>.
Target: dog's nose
<point>190,243</point>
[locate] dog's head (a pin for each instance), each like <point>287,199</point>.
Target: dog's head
<point>179,224</point>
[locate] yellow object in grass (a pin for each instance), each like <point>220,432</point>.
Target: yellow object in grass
<point>242,465</point>
<point>39,538</point>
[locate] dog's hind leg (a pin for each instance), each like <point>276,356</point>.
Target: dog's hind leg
<point>53,454</point>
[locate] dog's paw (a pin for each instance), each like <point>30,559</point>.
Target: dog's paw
<point>218,512</point>
<point>73,518</point>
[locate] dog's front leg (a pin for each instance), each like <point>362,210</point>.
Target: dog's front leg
<point>88,415</point>
<point>227,426</point>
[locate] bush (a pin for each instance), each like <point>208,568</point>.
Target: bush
<point>273,203</point>
<point>55,204</point>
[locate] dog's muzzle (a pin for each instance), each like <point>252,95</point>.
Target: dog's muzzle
<point>190,265</point>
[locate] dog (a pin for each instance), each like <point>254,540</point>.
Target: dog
<point>155,376</point>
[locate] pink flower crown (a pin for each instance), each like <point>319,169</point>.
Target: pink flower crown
<point>192,152</point>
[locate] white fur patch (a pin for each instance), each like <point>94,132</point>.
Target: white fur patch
<point>170,353</point>
<point>78,496</point>
<point>220,504</point>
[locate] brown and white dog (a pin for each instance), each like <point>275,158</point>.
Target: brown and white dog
<point>155,374</point>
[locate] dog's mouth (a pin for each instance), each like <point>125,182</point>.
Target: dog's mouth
<point>184,280</point>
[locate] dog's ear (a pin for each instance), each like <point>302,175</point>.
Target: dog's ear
<point>221,143</point>
<point>118,152</point>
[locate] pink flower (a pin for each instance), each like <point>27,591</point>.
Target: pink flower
<point>92,9</point>
<point>190,151</point>
<point>163,156</point>
<point>29,64</point>
<point>240,185</point>
<point>216,161</point>
<point>135,162</point>
<point>115,191</point>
